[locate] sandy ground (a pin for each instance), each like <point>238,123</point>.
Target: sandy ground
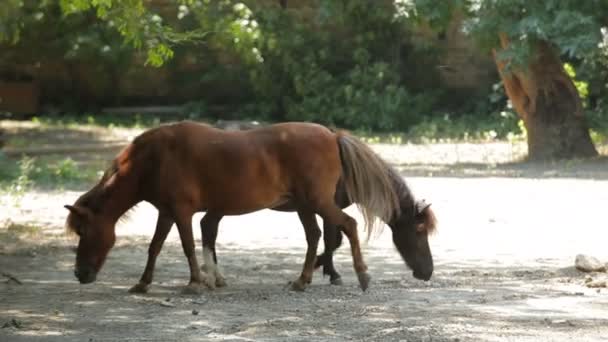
<point>504,258</point>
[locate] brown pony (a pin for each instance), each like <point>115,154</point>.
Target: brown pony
<point>187,167</point>
<point>413,248</point>
<point>410,224</point>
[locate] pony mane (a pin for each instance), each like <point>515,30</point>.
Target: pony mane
<point>430,221</point>
<point>70,230</point>
<point>402,190</point>
<point>109,172</point>
<point>92,199</point>
<point>368,183</point>
<point>429,224</point>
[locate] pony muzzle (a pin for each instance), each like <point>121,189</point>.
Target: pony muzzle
<point>85,275</point>
<point>423,275</point>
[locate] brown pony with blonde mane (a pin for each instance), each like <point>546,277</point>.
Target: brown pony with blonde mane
<point>413,248</point>
<point>411,224</point>
<point>188,167</point>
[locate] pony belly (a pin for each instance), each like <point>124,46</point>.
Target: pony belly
<point>243,206</point>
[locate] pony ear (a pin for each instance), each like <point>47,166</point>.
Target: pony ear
<point>425,218</point>
<point>76,210</point>
<point>421,206</point>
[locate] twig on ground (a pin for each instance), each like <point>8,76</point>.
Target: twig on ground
<point>11,277</point>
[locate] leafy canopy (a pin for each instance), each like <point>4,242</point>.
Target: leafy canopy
<point>573,27</point>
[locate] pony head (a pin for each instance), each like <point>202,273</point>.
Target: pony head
<point>411,229</point>
<point>95,239</point>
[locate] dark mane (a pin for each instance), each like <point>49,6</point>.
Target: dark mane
<point>93,199</point>
<point>408,202</point>
<point>430,221</point>
<point>406,199</point>
<point>109,172</point>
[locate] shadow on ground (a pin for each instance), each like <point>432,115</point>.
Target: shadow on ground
<point>464,302</point>
<point>595,168</point>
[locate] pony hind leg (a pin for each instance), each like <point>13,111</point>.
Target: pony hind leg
<point>313,234</point>
<point>332,239</point>
<point>333,215</point>
<point>209,228</point>
<point>163,226</point>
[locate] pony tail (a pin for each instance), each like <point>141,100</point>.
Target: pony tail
<point>368,182</point>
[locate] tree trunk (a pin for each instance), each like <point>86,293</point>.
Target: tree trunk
<point>547,101</point>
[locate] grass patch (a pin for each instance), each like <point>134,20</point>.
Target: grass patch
<point>448,128</point>
<point>496,126</point>
<point>18,176</point>
<point>103,120</point>
<point>22,229</point>
<point>434,128</point>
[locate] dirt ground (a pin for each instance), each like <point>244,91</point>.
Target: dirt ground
<point>504,256</point>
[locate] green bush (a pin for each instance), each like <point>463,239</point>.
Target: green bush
<point>355,64</point>
<point>341,68</point>
<point>366,97</point>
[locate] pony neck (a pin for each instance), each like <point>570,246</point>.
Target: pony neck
<point>118,194</point>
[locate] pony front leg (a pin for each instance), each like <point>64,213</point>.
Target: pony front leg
<point>209,229</point>
<point>184,226</point>
<point>163,226</point>
<point>313,233</point>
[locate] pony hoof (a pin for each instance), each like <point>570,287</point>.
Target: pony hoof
<point>364,279</point>
<point>139,288</point>
<point>192,289</point>
<point>336,281</point>
<point>297,286</point>
<point>209,281</point>
<point>220,282</point>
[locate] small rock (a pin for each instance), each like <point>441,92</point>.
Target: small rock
<point>588,263</point>
<point>596,284</point>
<point>564,322</point>
<point>167,304</point>
<point>560,322</point>
<point>195,312</point>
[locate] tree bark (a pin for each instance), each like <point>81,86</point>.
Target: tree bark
<point>547,101</point>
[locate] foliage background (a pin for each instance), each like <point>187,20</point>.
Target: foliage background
<point>366,65</point>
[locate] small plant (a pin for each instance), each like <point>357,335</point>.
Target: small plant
<point>24,181</point>
<point>18,177</point>
<point>65,169</point>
